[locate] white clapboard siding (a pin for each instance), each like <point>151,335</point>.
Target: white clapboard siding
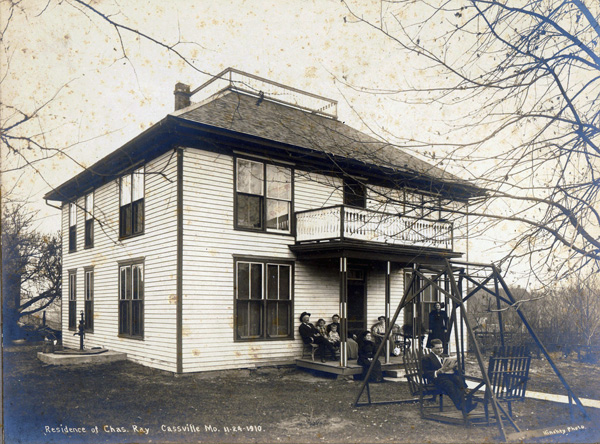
<point>157,246</point>
<point>210,243</point>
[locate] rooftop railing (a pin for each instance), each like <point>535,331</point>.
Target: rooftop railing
<point>236,80</point>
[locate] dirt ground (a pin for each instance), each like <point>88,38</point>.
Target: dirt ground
<point>127,403</point>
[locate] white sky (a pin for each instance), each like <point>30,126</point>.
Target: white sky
<point>103,100</point>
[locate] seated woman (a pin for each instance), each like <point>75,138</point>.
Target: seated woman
<point>378,330</point>
<point>310,335</point>
<point>351,344</point>
<point>366,356</point>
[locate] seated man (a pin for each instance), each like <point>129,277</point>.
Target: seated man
<point>310,335</point>
<point>442,372</point>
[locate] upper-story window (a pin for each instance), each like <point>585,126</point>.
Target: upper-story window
<point>72,226</point>
<point>263,196</point>
<point>131,213</point>
<point>89,221</point>
<point>355,194</point>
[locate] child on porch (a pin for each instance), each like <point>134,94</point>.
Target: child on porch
<point>334,336</point>
<point>322,328</point>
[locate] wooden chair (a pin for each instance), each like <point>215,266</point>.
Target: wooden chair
<point>419,388</point>
<point>508,372</point>
<point>309,350</point>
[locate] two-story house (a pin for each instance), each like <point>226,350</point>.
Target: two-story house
<point>196,245</point>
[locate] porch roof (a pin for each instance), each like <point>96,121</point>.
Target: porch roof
<point>372,251</point>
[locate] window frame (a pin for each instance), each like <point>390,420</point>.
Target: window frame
<point>129,301</point>
<point>263,198</point>
<point>72,292</point>
<point>88,237</point>
<point>131,213</point>
<point>72,209</point>
<point>355,194</point>
<point>88,299</point>
<point>265,303</point>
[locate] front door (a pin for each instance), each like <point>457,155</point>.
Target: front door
<point>356,301</point>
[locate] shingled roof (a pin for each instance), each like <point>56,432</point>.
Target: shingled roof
<point>233,114</point>
<point>249,115</point>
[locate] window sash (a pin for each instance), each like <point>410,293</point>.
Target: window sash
<point>72,214</point>
<point>89,233</point>
<point>131,300</point>
<point>72,300</point>
<point>89,300</point>
<point>263,302</point>
<point>89,206</point>
<point>250,177</point>
<point>279,182</point>
<point>73,238</point>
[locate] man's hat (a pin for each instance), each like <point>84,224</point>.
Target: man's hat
<point>304,313</point>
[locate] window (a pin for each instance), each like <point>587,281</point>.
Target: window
<point>72,300</point>
<point>89,300</point>
<point>72,226</point>
<point>263,300</point>
<point>355,194</point>
<point>264,196</point>
<point>131,300</point>
<point>89,221</point>
<point>131,214</point>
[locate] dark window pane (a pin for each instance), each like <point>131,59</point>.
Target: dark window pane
<point>256,281</point>
<point>278,319</point>
<point>89,232</point>
<point>72,314</point>
<point>136,317</point>
<point>248,319</point>
<point>138,217</point>
<point>354,194</point>
<point>125,221</point>
<point>89,315</point>
<point>272,281</point>
<point>284,281</point>
<point>243,282</point>
<point>72,238</point>
<point>249,211</point>
<point>124,317</point>
<point>254,324</point>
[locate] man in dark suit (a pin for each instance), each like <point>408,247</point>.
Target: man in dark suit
<point>310,335</point>
<point>442,372</point>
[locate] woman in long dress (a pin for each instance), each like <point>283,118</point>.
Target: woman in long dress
<point>366,357</point>
<point>438,325</point>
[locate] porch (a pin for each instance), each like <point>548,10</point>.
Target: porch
<point>352,368</point>
<point>340,222</point>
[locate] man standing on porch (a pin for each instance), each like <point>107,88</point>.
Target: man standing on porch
<point>310,335</point>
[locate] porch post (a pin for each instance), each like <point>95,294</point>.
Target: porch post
<point>387,309</point>
<point>343,311</point>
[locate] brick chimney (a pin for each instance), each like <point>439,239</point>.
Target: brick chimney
<point>182,95</point>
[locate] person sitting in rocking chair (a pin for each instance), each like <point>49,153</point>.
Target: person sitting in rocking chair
<point>442,372</point>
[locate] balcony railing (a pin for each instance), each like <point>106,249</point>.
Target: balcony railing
<point>341,222</point>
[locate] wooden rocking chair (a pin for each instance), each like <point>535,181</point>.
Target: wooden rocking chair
<point>508,372</point>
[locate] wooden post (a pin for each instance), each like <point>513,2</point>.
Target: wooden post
<point>387,310</point>
<point>344,311</point>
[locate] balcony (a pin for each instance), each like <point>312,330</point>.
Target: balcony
<point>340,223</point>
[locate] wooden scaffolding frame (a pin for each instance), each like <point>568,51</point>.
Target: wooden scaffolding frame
<point>454,274</point>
